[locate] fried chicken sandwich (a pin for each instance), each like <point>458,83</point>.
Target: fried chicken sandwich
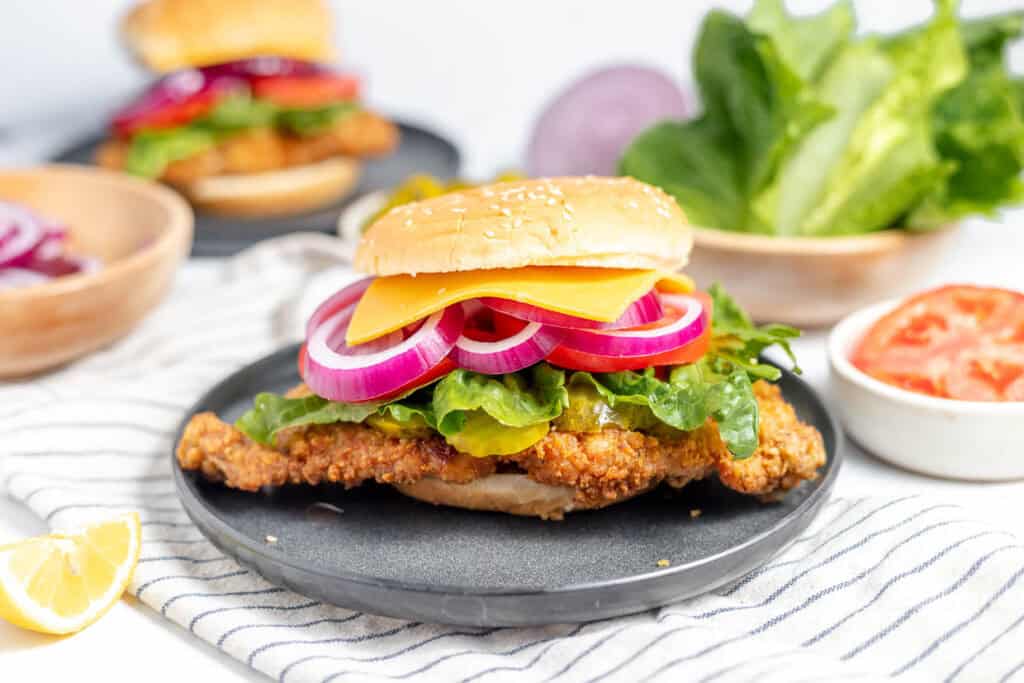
<point>525,347</point>
<point>247,119</point>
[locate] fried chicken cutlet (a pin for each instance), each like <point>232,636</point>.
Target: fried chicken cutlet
<point>601,467</point>
<point>361,134</point>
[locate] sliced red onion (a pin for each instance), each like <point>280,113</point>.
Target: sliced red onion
<point>22,233</point>
<point>172,90</point>
<point>528,346</point>
<point>644,342</point>
<point>343,298</point>
<point>347,375</point>
<point>13,278</point>
<point>646,309</point>
<point>257,67</point>
<point>587,128</point>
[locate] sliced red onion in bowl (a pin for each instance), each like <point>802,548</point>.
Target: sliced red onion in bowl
<point>21,233</point>
<point>646,341</point>
<point>587,128</point>
<point>350,376</point>
<point>14,278</point>
<point>526,347</point>
<point>343,298</point>
<point>646,309</point>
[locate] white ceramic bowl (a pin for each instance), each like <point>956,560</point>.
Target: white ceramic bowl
<point>972,440</point>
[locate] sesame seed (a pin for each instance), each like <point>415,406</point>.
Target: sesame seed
<point>459,209</point>
<point>566,215</point>
<point>517,222</point>
<point>663,213</point>
<point>427,210</point>
<point>506,212</point>
<point>489,233</point>
<point>633,204</point>
<point>552,201</point>
<point>442,290</point>
<point>495,207</point>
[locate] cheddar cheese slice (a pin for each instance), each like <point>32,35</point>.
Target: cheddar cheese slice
<point>602,294</point>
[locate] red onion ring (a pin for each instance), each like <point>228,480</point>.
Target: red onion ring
<point>644,342</point>
<point>261,67</point>
<point>349,376</point>
<point>343,298</point>
<point>171,90</point>
<point>13,278</point>
<point>528,346</point>
<point>646,309</point>
<point>20,234</point>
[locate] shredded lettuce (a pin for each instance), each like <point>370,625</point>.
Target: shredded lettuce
<point>824,133</point>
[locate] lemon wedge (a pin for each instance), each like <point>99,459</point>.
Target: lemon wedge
<point>63,582</point>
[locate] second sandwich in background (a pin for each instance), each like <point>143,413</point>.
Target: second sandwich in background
<point>249,121</point>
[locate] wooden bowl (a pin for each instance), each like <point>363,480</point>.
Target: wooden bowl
<point>815,281</point>
<point>139,230</point>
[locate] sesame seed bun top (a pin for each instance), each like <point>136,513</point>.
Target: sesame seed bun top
<point>589,221</point>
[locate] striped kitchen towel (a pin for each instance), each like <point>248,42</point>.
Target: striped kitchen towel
<point>907,588</point>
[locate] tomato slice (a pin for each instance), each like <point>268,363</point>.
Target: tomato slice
<point>960,341</point>
<point>688,353</point>
<point>305,92</point>
<point>170,115</point>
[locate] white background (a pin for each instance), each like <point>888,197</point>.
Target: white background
<point>479,72</point>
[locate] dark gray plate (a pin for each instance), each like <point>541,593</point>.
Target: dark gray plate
<point>386,554</point>
<point>421,151</point>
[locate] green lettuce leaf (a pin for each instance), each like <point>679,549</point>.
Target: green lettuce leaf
<point>736,343</point>
<point>152,150</point>
<point>875,160</point>
<point>515,400</point>
<point>979,130</point>
<point>807,43</point>
<point>755,109</point>
<point>313,121</point>
<point>271,413</point>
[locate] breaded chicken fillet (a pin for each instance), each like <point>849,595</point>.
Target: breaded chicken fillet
<point>598,468</point>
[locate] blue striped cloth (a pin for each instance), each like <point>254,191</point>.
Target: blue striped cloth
<point>909,588</point>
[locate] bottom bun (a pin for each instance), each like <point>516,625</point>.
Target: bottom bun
<point>515,494</point>
<point>289,190</point>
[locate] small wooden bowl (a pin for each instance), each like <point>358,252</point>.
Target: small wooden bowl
<point>139,230</point>
<point>815,281</point>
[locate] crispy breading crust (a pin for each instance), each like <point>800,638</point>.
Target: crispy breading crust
<point>602,467</point>
<point>361,134</point>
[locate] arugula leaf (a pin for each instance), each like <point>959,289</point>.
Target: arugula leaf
<point>755,110</point>
<point>736,343</point>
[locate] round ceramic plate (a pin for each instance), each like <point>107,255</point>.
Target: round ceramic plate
<point>420,151</point>
<point>374,550</point>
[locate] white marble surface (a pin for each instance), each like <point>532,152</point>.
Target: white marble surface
<point>479,72</point>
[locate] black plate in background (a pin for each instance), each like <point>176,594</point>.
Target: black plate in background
<point>421,151</point>
<point>391,555</point>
